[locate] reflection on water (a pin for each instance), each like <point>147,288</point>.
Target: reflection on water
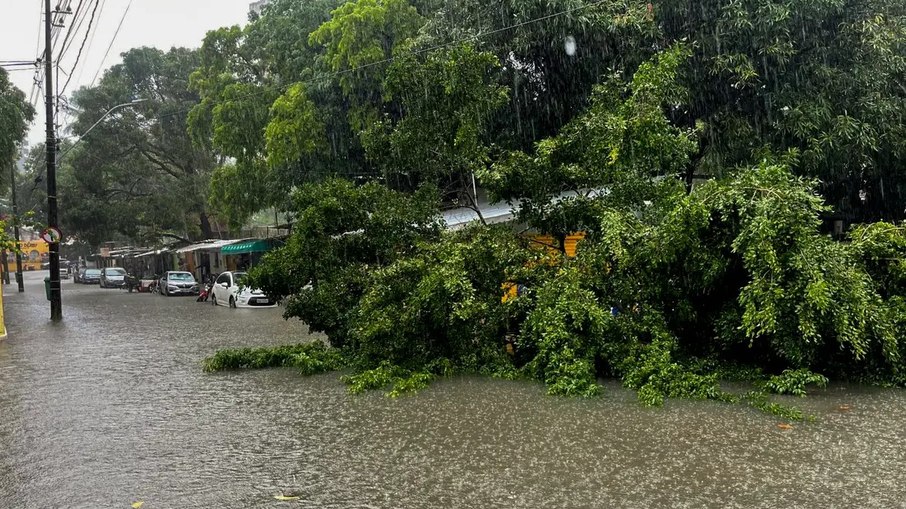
<point>112,407</point>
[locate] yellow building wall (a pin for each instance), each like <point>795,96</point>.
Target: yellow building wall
<point>34,253</point>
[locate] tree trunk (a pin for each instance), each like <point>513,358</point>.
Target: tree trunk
<point>205,222</point>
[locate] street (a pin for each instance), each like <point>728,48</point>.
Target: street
<point>112,404</point>
<point>111,407</point>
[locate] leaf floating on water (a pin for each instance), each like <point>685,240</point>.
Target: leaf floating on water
<point>844,408</point>
<point>285,498</point>
<point>785,426</point>
<point>137,505</point>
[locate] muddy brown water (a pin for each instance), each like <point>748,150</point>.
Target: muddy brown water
<point>111,407</point>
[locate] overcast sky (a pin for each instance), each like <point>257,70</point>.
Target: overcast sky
<point>158,23</point>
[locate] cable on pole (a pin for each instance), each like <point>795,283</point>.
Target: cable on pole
<point>109,46</point>
<point>62,89</point>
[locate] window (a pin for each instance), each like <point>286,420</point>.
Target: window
<point>181,276</point>
<point>224,278</point>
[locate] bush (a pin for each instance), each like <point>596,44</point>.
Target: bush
<point>734,278</point>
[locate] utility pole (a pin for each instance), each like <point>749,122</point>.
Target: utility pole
<point>56,297</point>
<point>19,280</point>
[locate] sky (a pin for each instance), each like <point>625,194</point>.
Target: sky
<point>159,23</point>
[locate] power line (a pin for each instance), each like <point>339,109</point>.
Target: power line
<point>91,40</point>
<point>67,112</point>
<point>62,90</point>
<point>109,46</point>
<point>34,86</point>
<point>77,19</point>
<point>56,23</point>
<point>58,18</point>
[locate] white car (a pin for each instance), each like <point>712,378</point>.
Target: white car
<point>229,291</point>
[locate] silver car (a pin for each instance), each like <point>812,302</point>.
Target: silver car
<point>113,277</point>
<point>178,283</point>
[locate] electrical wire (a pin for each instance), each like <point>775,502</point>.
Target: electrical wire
<point>78,18</point>
<point>62,90</point>
<point>113,40</point>
<point>91,39</point>
<point>54,34</point>
<point>34,86</point>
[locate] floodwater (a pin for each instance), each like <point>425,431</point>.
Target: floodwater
<point>111,408</point>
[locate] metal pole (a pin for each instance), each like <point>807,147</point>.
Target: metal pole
<point>5,267</point>
<point>56,300</point>
<point>105,115</point>
<point>19,279</point>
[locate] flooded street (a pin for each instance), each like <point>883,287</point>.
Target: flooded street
<point>111,407</point>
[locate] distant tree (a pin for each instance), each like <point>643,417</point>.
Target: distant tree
<point>139,162</point>
<point>15,116</point>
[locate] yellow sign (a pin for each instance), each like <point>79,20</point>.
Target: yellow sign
<point>34,254</point>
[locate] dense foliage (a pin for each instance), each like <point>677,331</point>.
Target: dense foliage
<point>15,115</point>
<point>701,149</point>
<point>129,169</point>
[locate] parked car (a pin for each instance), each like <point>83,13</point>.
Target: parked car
<point>113,277</point>
<point>229,291</point>
<point>177,283</point>
<point>90,277</point>
<point>64,267</point>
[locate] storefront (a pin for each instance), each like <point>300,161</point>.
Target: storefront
<point>245,254</point>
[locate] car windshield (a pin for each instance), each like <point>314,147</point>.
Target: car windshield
<point>116,272</point>
<point>92,272</point>
<point>181,276</point>
<point>239,278</point>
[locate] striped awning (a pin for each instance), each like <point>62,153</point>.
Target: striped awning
<point>248,246</point>
<point>208,245</point>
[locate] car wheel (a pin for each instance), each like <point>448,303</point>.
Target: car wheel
<point>232,302</point>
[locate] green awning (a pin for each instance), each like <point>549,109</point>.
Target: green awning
<point>249,246</point>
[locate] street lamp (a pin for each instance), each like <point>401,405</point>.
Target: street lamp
<point>105,115</point>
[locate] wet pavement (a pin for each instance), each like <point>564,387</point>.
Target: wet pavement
<point>111,407</point>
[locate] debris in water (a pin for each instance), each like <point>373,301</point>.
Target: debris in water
<point>785,426</point>
<point>844,408</point>
<point>285,498</point>
<point>137,505</point>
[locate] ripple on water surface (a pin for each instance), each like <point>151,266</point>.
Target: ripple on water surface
<point>112,407</point>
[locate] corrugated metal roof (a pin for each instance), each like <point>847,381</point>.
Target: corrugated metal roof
<point>498,213</point>
<point>504,212</point>
<point>151,253</point>
<point>208,245</point>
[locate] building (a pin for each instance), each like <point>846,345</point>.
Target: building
<point>258,6</point>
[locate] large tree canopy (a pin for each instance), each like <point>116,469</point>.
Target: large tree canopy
<point>137,173</point>
<point>699,149</point>
<point>15,116</point>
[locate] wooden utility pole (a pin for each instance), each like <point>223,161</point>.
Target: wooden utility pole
<point>56,290</point>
